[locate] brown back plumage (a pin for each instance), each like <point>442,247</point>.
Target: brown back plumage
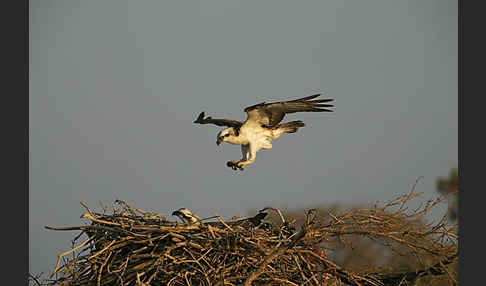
<point>272,113</point>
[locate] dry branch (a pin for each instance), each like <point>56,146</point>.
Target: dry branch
<point>124,248</point>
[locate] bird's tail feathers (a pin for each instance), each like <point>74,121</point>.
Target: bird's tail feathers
<point>291,127</point>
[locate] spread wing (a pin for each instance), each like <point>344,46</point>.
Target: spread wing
<point>272,113</point>
<point>219,122</point>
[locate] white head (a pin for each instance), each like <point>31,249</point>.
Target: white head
<point>185,215</point>
<point>226,135</point>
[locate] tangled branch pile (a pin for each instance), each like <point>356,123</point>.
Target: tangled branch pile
<point>129,247</point>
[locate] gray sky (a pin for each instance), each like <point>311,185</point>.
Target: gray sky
<point>115,86</point>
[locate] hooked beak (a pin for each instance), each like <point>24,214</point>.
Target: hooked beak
<point>219,140</point>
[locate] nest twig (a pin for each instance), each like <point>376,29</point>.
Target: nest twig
<point>125,248</point>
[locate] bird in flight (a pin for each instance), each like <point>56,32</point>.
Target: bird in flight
<point>262,126</point>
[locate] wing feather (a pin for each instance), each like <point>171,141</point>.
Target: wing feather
<point>272,113</point>
<point>219,122</point>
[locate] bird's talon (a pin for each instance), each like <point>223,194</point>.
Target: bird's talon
<point>234,165</point>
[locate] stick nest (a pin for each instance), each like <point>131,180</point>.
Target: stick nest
<point>132,247</point>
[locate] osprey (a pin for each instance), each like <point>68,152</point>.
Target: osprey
<point>189,218</point>
<point>186,216</point>
<point>262,126</point>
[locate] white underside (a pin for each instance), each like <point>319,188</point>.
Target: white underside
<point>252,139</point>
